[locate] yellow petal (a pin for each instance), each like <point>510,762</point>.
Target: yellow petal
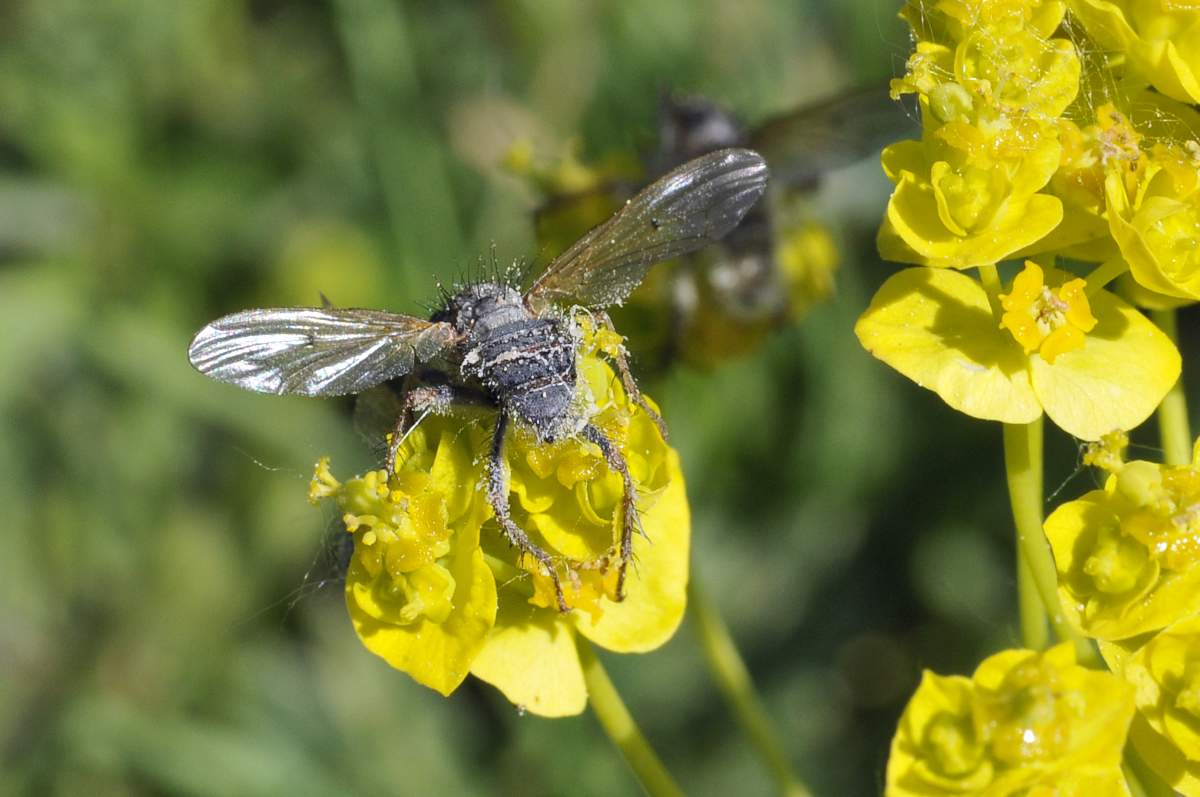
<point>1079,309</point>
<point>1115,380</point>
<point>656,585</point>
<point>530,656</point>
<point>937,328</point>
<point>903,156</point>
<point>1165,758</point>
<point>1063,339</point>
<point>437,655</point>
<point>1083,783</point>
<point>913,214</point>
<point>1144,264</point>
<point>1178,79</point>
<point>1131,291</point>
<point>1026,287</point>
<point>454,461</point>
<point>1097,706</point>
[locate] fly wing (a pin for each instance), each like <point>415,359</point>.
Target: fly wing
<point>311,352</point>
<point>376,411</point>
<point>806,143</point>
<point>685,210</point>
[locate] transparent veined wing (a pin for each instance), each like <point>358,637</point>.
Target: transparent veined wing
<point>814,139</point>
<point>685,210</point>
<point>314,352</point>
<point>376,411</point>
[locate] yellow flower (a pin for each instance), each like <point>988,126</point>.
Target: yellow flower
<point>940,329</point>
<point>1139,159</point>
<point>1111,144</point>
<point>1024,723</point>
<point>1048,321</point>
<point>436,590</point>
<point>1128,556</point>
<point>1166,675</point>
<point>1136,172</point>
<point>991,84</point>
<point>968,212</point>
<point>418,590</point>
<point>1160,40</point>
<point>1156,227</point>
<point>955,19</point>
<point>808,257</point>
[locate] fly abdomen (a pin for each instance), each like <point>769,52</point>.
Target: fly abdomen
<point>529,367</point>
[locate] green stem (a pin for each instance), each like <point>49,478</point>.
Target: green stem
<point>1173,426</point>
<point>1034,631</point>
<point>617,722</point>
<point>1105,273</point>
<point>1023,463</point>
<point>734,680</point>
<point>990,277</point>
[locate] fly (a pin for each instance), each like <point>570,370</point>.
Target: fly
<point>491,344</point>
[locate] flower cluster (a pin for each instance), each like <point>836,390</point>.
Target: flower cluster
<point>992,82</point>
<point>1014,162</point>
<point>1128,560</point>
<point>1024,723</point>
<point>1057,156</point>
<point>434,588</point>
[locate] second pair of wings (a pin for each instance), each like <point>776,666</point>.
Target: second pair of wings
<point>334,351</point>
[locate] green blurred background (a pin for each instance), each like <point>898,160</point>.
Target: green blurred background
<point>163,624</point>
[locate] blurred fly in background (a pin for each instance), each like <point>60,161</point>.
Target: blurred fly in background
<point>722,303</point>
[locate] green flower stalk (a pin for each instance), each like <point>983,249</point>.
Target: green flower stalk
<point>1174,427</point>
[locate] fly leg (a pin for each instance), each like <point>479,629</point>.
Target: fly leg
<point>497,493</point>
<point>419,399</point>
<point>631,520</point>
<point>423,399</point>
<point>627,380</point>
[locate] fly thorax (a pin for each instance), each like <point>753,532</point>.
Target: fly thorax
<point>475,308</point>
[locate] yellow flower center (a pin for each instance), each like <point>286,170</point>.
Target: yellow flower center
<point>582,586</point>
<point>401,530</point>
<point>1116,563</point>
<point>1049,321</point>
<point>323,484</point>
<point>1107,453</point>
<point>950,745</point>
<point>1167,515</point>
<point>427,592</point>
<point>1118,144</point>
<point>1027,717</point>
